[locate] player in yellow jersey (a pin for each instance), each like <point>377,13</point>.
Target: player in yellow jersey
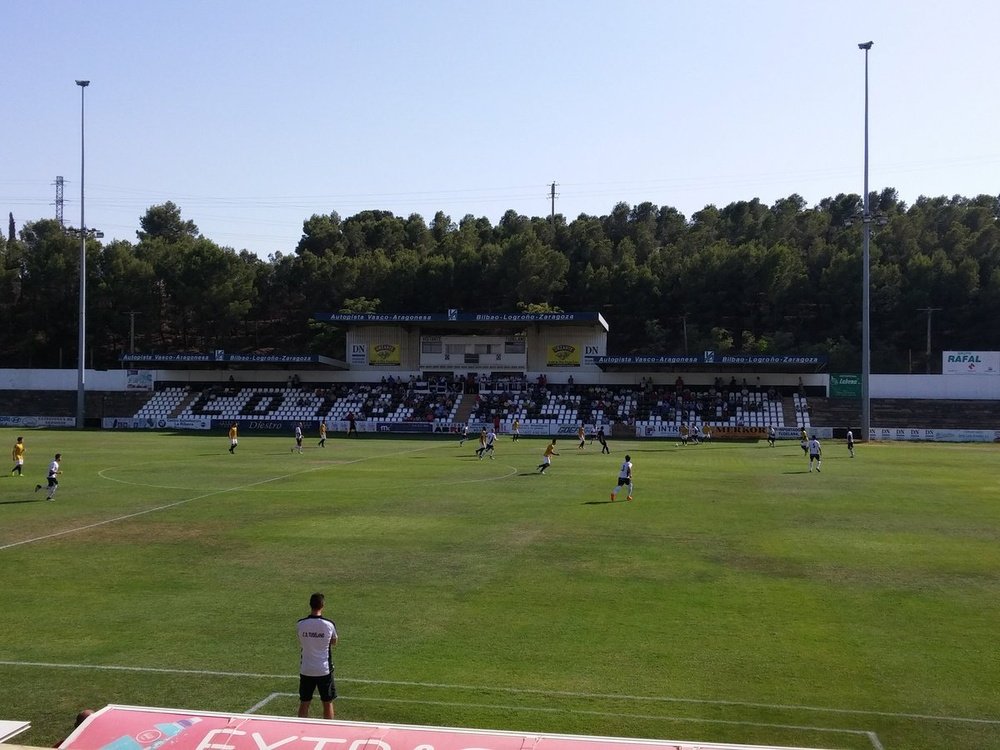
<point>581,435</point>
<point>550,451</point>
<point>322,434</point>
<point>18,455</point>
<point>515,430</point>
<point>233,438</point>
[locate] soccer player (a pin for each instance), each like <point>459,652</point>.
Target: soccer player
<point>804,442</point>
<point>317,636</point>
<point>772,435</point>
<point>850,443</point>
<point>624,478</point>
<point>581,435</point>
<point>815,453</point>
<point>53,477</point>
<point>465,435</point>
<point>482,444</point>
<point>18,455</point>
<point>233,438</point>
<point>684,433</point>
<point>515,430</point>
<point>550,451</point>
<point>322,434</point>
<point>298,438</point>
<point>491,438</point>
<point>603,440</point>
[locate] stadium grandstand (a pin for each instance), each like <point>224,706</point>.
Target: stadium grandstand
<point>440,372</point>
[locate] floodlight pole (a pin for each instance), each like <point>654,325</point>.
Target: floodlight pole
<point>866,366</point>
<point>81,377</point>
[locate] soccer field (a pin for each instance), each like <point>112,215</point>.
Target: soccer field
<point>737,598</point>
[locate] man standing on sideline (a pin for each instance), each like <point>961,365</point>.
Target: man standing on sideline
<point>624,478</point>
<point>815,453</point>
<point>317,637</point>
<point>850,443</point>
<point>234,439</point>
<point>322,434</point>
<point>18,455</point>
<point>53,477</point>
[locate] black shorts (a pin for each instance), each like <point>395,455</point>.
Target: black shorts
<point>53,482</point>
<point>622,481</point>
<point>325,684</point>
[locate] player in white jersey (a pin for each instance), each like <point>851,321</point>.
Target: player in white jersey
<point>491,439</point>
<point>298,438</point>
<point>850,443</point>
<point>53,477</point>
<point>317,636</point>
<point>815,453</point>
<point>624,478</point>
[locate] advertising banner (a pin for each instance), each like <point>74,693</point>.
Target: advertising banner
<point>845,385</point>
<point>139,380</point>
<point>935,436</point>
<point>970,363</point>
<point>563,355</point>
<point>384,355</point>
<point>37,421</point>
<point>359,354</point>
<point>115,727</point>
<point>132,423</point>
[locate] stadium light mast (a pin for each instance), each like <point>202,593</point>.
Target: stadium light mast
<point>866,365</point>
<point>81,376</point>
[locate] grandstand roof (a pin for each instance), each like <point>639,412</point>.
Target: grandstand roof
<point>218,357</point>
<point>713,361</point>
<point>457,319</point>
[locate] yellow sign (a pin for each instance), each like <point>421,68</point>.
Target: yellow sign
<point>384,354</point>
<point>563,355</point>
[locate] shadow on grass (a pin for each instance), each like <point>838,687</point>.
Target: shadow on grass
<point>15,502</point>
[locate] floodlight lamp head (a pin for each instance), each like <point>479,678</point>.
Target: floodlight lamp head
<point>83,83</point>
<point>865,46</point>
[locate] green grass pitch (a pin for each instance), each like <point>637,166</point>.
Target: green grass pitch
<point>738,598</point>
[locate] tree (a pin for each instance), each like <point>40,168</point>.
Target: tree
<point>165,222</point>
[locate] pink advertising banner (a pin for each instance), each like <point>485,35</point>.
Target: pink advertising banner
<point>135,728</point>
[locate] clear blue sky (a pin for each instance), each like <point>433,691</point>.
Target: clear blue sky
<point>253,115</point>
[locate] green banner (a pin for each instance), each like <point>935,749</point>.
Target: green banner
<point>845,385</point>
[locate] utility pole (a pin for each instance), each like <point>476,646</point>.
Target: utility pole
<point>930,314</point>
<point>59,202</point>
<point>552,194</point>
<point>131,329</point>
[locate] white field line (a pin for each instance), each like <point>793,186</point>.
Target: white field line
<point>202,496</point>
<point>871,736</point>
<point>520,691</point>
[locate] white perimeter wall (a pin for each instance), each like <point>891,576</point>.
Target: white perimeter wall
<point>960,387</point>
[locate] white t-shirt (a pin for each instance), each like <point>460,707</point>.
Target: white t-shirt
<point>626,471</point>
<point>814,447</point>
<point>315,637</point>
<point>53,469</point>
